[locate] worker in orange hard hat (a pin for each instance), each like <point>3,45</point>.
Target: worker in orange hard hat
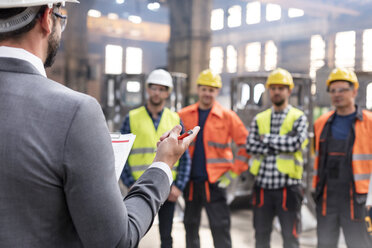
<point>213,164</point>
<point>276,139</point>
<point>343,164</point>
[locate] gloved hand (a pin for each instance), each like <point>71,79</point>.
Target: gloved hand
<point>225,180</point>
<point>368,220</point>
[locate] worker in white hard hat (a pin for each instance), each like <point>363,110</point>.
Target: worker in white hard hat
<point>57,174</point>
<point>148,123</point>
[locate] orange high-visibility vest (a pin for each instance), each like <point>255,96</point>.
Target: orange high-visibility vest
<point>221,127</point>
<point>362,150</point>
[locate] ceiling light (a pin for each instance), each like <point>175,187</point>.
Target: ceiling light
<point>153,6</point>
<point>120,1</point>
<point>94,13</point>
<point>135,19</point>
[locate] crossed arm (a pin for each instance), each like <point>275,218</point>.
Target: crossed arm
<point>275,143</point>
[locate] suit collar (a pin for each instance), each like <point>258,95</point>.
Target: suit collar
<point>22,54</point>
<point>17,66</point>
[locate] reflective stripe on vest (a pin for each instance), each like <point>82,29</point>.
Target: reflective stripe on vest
<point>362,150</point>
<point>219,145</point>
<point>143,167</point>
<point>221,127</point>
<point>144,146</point>
<point>287,163</point>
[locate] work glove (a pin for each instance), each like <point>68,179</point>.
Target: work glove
<point>225,180</point>
<point>368,220</point>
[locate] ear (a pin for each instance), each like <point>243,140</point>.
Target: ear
<point>46,21</point>
<point>147,89</point>
<point>168,93</point>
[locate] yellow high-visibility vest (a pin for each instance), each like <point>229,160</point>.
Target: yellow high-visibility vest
<point>287,163</point>
<point>144,147</point>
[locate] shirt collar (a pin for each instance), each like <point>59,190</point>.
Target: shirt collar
<point>19,53</point>
<point>358,110</point>
<point>284,111</point>
<point>148,111</point>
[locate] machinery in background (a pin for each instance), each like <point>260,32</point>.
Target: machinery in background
<point>124,92</point>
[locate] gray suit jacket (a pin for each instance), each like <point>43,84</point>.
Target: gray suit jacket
<point>57,177</point>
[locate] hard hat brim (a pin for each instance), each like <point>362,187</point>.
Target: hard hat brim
<point>15,4</point>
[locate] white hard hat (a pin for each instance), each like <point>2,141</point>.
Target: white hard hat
<point>29,3</point>
<point>25,17</point>
<point>160,77</point>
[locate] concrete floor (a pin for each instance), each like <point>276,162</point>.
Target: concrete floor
<point>241,232</point>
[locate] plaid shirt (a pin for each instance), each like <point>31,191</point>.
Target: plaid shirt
<point>272,144</point>
<point>183,169</point>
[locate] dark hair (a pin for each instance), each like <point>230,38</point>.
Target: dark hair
<point>350,84</point>
<point>17,34</point>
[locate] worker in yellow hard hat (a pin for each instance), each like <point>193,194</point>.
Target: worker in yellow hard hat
<point>213,164</point>
<point>343,164</point>
<point>280,77</point>
<point>276,139</point>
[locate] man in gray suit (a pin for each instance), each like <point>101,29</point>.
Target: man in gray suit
<point>57,177</point>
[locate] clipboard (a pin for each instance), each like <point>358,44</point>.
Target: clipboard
<point>121,144</point>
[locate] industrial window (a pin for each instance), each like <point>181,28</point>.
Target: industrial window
<point>133,61</point>
<point>317,54</point>
<point>130,92</point>
<point>271,55</point>
<point>235,16</point>
<point>217,19</point>
<point>369,96</point>
<point>293,12</point>
<point>113,59</point>
<point>216,59</point>
<point>133,86</point>
<point>231,59</point>
<point>259,89</point>
<point>345,49</point>
<point>253,12</point>
<point>367,50</point>
<point>245,95</point>
<point>273,12</point>
<point>253,56</point>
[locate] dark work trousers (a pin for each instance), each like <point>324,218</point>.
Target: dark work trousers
<point>338,206</point>
<point>166,213</point>
<point>213,198</point>
<point>284,203</point>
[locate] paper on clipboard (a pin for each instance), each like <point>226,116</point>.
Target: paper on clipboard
<point>122,144</point>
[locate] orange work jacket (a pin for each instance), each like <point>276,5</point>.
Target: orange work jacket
<point>362,149</point>
<point>221,127</point>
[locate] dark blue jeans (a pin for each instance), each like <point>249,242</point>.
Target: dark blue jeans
<point>166,213</point>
